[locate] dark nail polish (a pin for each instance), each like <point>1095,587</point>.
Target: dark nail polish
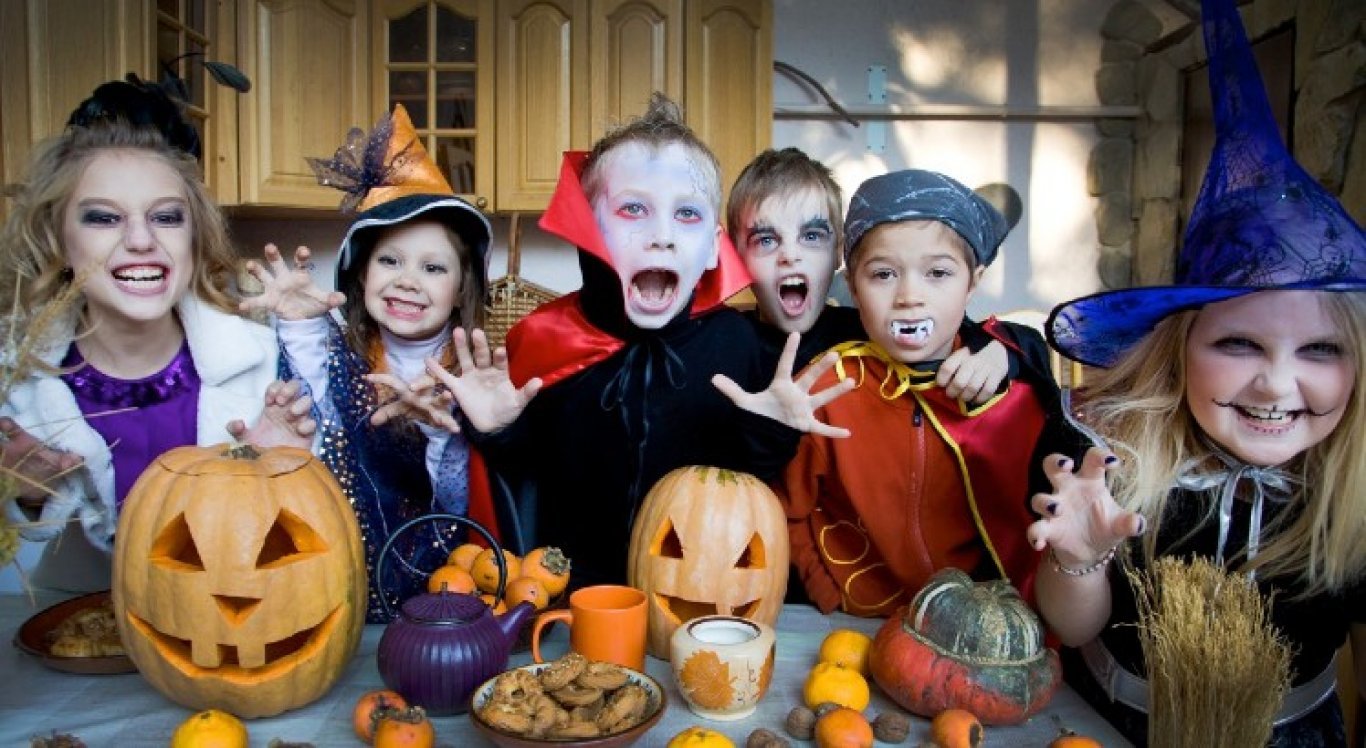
<point>1142,525</point>
<point>1052,507</point>
<point>1111,460</point>
<point>1062,461</point>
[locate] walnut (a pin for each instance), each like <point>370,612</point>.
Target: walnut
<point>57,740</point>
<point>762,738</point>
<point>801,723</point>
<point>891,727</point>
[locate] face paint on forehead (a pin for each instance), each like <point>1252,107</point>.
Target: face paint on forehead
<point>702,174</point>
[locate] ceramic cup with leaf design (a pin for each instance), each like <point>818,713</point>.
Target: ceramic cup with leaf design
<point>723,665</point>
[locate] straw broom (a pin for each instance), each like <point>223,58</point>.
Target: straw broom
<point>1217,667</point>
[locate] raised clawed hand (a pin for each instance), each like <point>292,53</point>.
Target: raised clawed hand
<point>1081,520</point>
<point>422,399</point>
<point>791,401</point>
<point>290,293</point>
<point>483,388</point>
<point>32,463</point>
<point>286,420</point>
<point>974,377</point>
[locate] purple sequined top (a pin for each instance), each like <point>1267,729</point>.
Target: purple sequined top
<point>165,417</point>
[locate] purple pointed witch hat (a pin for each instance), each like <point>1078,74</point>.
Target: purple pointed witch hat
<point>1260,222</point>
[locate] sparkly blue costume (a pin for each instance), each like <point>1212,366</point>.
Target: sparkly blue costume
<point>384,474</point>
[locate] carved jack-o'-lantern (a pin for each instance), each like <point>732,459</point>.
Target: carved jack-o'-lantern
<point>708,541</point>
<point>239,578</point>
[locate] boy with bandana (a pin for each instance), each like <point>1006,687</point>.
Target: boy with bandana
<point>785,219</point>
<point>928,480</point>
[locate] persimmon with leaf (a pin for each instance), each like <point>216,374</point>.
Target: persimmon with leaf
<point>404,728</point>
<point>549,566</point>
<point>368,709</point>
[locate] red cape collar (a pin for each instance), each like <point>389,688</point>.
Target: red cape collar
<point>557,340</point>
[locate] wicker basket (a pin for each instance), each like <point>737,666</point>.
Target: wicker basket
<point>511,297</point>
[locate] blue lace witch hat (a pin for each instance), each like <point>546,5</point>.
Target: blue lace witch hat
<point>1260,222</point>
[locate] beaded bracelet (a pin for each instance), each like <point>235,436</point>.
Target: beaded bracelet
<point>1100,563</point>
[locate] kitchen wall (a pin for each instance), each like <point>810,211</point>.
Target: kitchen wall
<point>986,91</point>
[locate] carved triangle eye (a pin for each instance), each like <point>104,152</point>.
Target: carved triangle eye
<point>289,540</point>
<point>753,556</point>
<point>175,548</point>
<point>667,543</point>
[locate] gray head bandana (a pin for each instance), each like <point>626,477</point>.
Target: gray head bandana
<point>917,195</point>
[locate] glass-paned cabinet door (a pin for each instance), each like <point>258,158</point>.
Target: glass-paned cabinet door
<point>438,63</point>
<point>183,34</point>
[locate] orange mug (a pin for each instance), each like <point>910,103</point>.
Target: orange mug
<point>606,623</point>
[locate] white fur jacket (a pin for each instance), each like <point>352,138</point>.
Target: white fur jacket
<point>236,360</point>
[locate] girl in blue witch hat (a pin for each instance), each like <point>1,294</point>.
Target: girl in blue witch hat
<point>1235,418</point>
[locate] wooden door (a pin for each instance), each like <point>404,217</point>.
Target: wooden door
<point>729,70</point>
<point>637,49</point>
<point>309,61</point>
<point>542,96</point>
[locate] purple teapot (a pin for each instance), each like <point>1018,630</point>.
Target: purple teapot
<point>443,645</point>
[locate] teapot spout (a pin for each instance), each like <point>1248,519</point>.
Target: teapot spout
<point>512,621</point>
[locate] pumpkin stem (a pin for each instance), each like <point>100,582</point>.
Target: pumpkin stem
<point>242,451</point>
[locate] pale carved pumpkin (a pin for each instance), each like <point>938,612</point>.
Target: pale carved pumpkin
<point>708,541</point>
<point>966,645</point>
<point>239,578</point>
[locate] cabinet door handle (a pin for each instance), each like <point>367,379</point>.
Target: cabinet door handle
<point>481,202</point>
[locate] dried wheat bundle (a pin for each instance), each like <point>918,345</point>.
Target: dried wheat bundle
<point>21,335</point>
<point>1218,668</point>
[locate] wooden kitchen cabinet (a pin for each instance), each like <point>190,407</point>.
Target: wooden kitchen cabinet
<point>543,101</point>
<point>310,65</point>
<point>53,53</point>
<point>714,57</point>
<point>498,89</point>
<point>436,57</point>
<point>637,50</point>
<point>729,73</point>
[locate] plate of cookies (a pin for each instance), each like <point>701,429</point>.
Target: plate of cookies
<point>76,636</point>
<point>569,702</point>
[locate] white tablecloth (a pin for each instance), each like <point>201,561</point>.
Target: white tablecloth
<point>123,710</point>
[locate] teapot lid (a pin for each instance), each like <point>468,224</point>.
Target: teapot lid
<point>443,607</point>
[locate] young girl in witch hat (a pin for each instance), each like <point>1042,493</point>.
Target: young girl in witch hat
<point>1232,406</point>
<point>411,268</point>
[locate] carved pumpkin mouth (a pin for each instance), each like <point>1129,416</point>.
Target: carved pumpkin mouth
<point>280,655</point>
<point>680,609</point>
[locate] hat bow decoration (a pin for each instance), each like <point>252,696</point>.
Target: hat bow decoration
<point>385,164</point>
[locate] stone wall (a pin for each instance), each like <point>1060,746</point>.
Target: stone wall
<point>1135,168</point>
